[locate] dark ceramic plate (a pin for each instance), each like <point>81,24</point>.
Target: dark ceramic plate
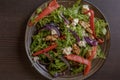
<point>96,64</point>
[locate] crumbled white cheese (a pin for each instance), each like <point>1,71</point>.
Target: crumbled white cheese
<point>67,50</point>
<point>35,58</point>
<point>82,43</point>
<point>53,32</point>
<point>67,26</point>
<point>86,7</point>
<point>75,21</point>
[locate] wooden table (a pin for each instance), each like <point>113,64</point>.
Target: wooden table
<point>14,64</point>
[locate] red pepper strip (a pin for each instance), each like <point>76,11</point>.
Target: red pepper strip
<point>45,50</point>
<point>100,40</point>
<point>92,24</point>
<point>87,69</point>
<point>91,20</point>
<point>81,60</point>
<point>93,53</point>
<point>51,7</point>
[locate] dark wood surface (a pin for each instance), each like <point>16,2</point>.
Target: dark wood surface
<point>14,64</point>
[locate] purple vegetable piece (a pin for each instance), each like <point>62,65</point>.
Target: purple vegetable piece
<point>42,28</point>
<point>90,41</point>
<point>65,71</point>
<point>65,61</point>
<point>75,35</point>
<point>51,26</point>
<point>66,21</point>
<point>55,27</point>
<point>73,32</point>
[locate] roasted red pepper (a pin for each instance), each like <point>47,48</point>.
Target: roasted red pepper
<point>93,53</point>
<point>99,40</point>
<point>53,46</point>
<point>51,7</point>
<point>81,60</point>
<point>92,25</point>
<point>91,20</point>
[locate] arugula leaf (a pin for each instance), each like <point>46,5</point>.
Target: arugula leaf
<point>100,54</point>
<point>57,67</point>
<point>100,27</point>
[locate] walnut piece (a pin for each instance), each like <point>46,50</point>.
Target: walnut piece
<point>86,26</point>
<point>76,49</point>
<point>51,37</point>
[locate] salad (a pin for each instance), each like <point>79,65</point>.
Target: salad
<point>67,40</point>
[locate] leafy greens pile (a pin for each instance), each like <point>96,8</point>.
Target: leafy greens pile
<point>62,21</point>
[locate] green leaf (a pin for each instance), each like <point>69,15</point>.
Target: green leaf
<point>100,27</point>
<point>39,10</point>
<point>100,54</point>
